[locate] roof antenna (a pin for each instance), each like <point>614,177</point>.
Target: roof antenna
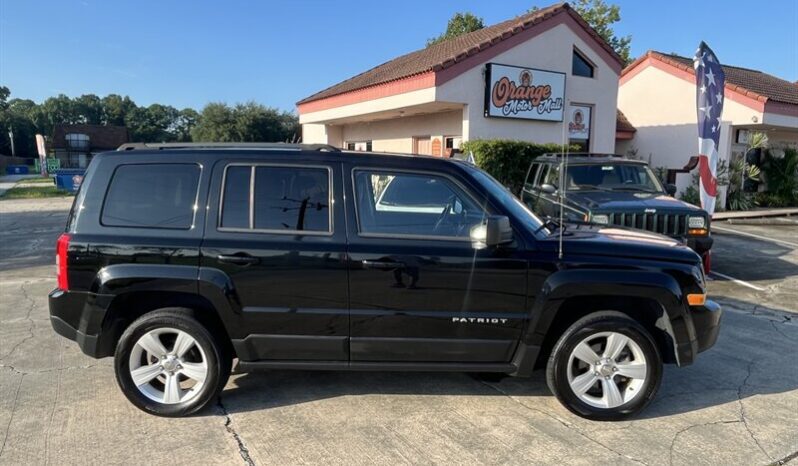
<point>563,168</point>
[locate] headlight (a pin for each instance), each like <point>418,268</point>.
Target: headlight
<point>696,222</point>
<point>601,219</point>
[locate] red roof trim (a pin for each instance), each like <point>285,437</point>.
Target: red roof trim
<point>399,86</point>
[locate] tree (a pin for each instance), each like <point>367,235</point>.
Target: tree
<point>459,24</point>
<point>155,123</point>
<point>247,122</point>
<point>89,108</point>
<point>601,16</point>
<point>216,124</point>
<point>186,120</point>
<point>116,108</point>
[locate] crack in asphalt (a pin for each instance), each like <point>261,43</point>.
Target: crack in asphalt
<point>742,410</point>
<point>785,460</point>
<point>228,425</point>
<point>11,418</point>
<point>686,429</point>
<point>33,305</point>
<point>564,423</point>
<point>54,369</point>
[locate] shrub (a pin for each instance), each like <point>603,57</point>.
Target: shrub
<point>781,176</point>
<point>507,160</point>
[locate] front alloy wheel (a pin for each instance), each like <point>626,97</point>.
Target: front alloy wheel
<point>605,366</point>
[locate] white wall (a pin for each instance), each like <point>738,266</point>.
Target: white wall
<point>551,50</point>
<point>396,135</point>
<point>662,108</point>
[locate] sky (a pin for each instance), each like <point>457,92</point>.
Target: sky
<point>188,53</point>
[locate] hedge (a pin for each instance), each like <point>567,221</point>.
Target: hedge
<point>507,160</point>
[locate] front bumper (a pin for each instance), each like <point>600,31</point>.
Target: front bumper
<point>699,244</point>
<point>706,322</point>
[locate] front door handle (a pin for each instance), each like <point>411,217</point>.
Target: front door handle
<point>237,259</point>
<point>382,265</point>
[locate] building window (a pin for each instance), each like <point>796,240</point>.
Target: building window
<point>77,141</point>
<point>359,146</point>
<point>581,66</point>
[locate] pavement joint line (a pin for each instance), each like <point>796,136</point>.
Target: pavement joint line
<point>753,235</point>
<point>738,281</point>
<point>785,460</point>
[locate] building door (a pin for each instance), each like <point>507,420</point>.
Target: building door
<point>422,145</point>
<point>419,290</point>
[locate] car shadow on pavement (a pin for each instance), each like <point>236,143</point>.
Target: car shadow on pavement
<point>748,360</point>
<point>752,259</point>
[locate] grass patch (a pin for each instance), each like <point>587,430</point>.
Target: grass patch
<point>48,180</point>
<point>34,193</point>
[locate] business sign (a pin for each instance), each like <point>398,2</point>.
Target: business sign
<point>579,122</point>
<point>526,93</point>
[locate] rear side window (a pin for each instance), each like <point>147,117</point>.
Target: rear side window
<point>286,199</point>
<point>152,196</point>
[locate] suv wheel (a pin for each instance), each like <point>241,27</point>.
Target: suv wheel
<point>605,366</point>
<point>168,364</point>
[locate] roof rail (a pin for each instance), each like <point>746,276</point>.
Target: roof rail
<point>226,145</point>
<point>582,154</point>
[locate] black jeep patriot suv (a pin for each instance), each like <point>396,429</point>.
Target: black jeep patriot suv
<point>177,260</point>
<point>611,190</point>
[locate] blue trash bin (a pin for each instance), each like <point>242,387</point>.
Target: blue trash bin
<point>69,179</point>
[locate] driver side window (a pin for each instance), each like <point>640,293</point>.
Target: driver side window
<point>414,204</point>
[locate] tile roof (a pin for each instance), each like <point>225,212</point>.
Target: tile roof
<point>622,124</point>
<point>753,83</point>
<point>101,137</point>
<point>445,54</point>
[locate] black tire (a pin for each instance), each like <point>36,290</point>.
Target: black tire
<point>605,321</point>
<point>218,361</point>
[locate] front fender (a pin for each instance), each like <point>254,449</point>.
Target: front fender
<point>570,283</point>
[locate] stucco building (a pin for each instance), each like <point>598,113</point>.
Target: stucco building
<point>657,94</point>
<point>540,77</point>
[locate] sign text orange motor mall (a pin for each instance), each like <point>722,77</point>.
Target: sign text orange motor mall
<point>526,93</point>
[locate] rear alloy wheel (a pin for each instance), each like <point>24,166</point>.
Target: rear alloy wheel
<point>605,367</point>
<point>168,364</point>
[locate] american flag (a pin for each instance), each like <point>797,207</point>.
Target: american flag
<point>709,80</point>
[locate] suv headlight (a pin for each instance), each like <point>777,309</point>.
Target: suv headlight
<point>696,222</point>
<point>601,219</point>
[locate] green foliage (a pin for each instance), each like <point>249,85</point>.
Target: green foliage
<point>507,160</point>
<point>459,24</point>
<point>781,176</point>
<point>601,17</point>
<point>249,122</point>
<point>691,195</point>
<point>736,198</point>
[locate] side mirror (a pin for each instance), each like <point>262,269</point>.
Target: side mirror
<point>670,189</point>
<point>548,188</point>
<point>495,230</point>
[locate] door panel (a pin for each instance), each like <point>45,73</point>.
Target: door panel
<point>285,258</point>
<point>429,296</point>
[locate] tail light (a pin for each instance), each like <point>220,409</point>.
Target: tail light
<point>61,248</point>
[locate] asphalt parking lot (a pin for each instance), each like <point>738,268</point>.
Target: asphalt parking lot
<point>737,405</point>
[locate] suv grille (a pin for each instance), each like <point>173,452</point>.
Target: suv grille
<point>666,224</point>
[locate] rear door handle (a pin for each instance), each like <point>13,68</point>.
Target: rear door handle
<point>382,265</point>
<point>237,259</point>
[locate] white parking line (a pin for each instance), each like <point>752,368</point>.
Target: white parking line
<point>737,281</point>
<point>752,235</point>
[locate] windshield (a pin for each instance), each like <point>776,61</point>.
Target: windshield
<point>506,198</point>
<point>609,177</point>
